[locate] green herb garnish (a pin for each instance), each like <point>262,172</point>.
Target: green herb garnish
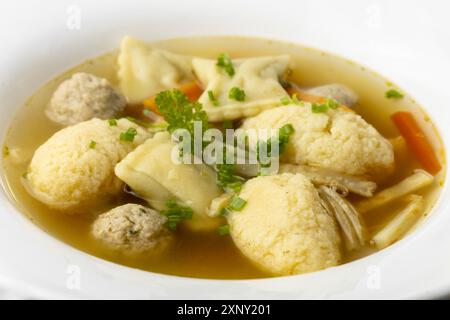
<point>227,179</point>
<point>294,100</point>
<point>112,122</point>
<point>319,108</point>
<point>132,119</point>
<point>223,230</point>
<point>285,101</point>
<point>180,113</point>
<point>237,94</point>
<point>324,107</point>
<point>394,94</point>
<point>224,61</point>
<point>92,144</point>
<point>128,135</point>
<point>281,139</point>
<point>175,214</point>
<point>212,98</point>
<point>236,204</point>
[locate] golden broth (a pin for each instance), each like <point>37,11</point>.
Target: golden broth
<point>196,254</point>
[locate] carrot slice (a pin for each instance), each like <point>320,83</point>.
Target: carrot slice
<point>416,141</point>
<point>304,96</point>
<point>192,90</point>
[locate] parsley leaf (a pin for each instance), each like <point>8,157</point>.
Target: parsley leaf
<point>180,113</point>
<point>92,144</point>
<point>176,213</point>
<point>237,94</point>
<point>112,122</point>
<point>224,61</point>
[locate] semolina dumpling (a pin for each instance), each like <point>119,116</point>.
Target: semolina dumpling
<point>337,139</point>
<point>76,165</point>
<point>283,227</point>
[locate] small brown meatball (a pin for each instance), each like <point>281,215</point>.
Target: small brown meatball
<point>133,228</point>
<point>84,97</point>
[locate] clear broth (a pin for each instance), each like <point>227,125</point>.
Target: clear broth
<point>208,255</point>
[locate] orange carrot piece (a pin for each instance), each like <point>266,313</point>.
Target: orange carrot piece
<point>416,141</point>
<point>192,90</point>
<point>304,96</point>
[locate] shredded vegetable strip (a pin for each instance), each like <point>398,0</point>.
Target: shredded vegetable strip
<point>401,224</point>
<point>342,182</point>
<point>414,182</point>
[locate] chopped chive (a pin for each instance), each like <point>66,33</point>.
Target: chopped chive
<point>112,122</point>
<point>286,130</point>
<point>212,98</point>
<point>128,135</point>
<point>295,99</point>
<point>175,214</point>
<point>285,101</point>
<point>332,104</point>
<point>394,94</point>
<point>224,230</point>
<point>131,119</point>
<point>236,204</point>
<point>236,94</point>
<point>224,61</point>
<point>319,108</point>
<point>92,144</point>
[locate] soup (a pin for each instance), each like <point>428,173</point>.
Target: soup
<point>311,214</point>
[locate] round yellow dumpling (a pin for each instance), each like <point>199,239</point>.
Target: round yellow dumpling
<point>76,165</point>
<point>336,139</point>
<point>283,227</point>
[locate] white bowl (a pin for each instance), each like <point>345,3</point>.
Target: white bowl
<point>405,42</point>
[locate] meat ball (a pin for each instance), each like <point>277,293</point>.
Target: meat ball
<point>76,165</point>
<point>337,139</point>
<point>84,97</point>
<point>133,228</point>
<point>283,227</point>
<point>338,92</point>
